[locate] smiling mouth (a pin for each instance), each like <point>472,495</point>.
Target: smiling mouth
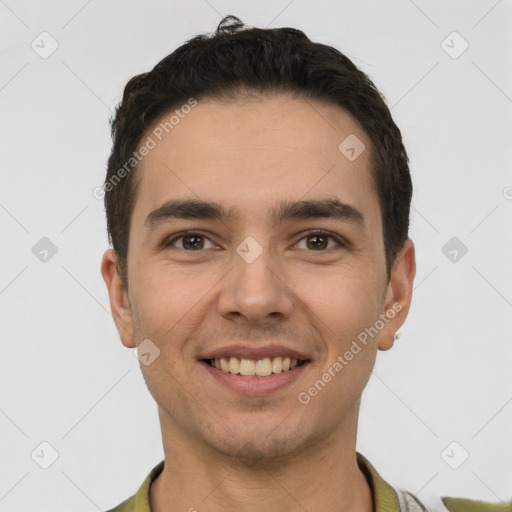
<point>254,368</point>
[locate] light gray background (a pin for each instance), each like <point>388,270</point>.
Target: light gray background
<point>65,377</point>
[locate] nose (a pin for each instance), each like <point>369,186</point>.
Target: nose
<point>256,292</point>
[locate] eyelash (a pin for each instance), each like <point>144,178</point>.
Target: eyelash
<point>319,232</point>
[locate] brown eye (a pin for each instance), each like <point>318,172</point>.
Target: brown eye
<point>319,241</point>
<point>193,242</point>
<point>189,242</point>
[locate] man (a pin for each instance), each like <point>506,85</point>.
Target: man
<point>257,200</point>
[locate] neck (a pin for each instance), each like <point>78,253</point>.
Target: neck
<point>324,476</point>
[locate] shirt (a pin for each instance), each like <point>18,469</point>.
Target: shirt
<point>385,497</point>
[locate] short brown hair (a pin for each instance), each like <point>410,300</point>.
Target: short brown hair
<point>237,58</point>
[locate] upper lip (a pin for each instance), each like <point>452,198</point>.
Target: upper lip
<point>255,353</point>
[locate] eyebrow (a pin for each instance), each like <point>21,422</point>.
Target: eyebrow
<point>285,211</point>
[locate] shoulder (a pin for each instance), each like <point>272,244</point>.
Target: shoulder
<point>465,505</point>
<point>392,498</point>
<point>126,506</point>
<point>408,502</point>
<point>139,502</point>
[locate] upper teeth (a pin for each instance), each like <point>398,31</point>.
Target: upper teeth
<point>261,367</point>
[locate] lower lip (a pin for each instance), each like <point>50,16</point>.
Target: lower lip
<point>256,385</point>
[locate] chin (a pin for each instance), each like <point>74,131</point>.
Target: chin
<point>257,453</point>
<point>260,446</point>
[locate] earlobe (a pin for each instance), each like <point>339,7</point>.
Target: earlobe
<point>119,303</point>
<point>398,294</point>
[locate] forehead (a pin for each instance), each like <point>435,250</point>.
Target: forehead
<point>247,154</point>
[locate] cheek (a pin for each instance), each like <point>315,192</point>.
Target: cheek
<point>346,305</point>
<point>345,368</point>
<point>167,301</point>
<point>345,301</point>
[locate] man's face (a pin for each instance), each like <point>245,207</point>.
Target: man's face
<point>254,285</point>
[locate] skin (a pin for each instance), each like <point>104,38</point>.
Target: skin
<point>224,450</point>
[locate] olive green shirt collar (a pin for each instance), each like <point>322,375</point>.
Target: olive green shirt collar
<point>384,496</point>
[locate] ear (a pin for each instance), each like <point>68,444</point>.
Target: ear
<point>119,301</point>
<point>398,294</point>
